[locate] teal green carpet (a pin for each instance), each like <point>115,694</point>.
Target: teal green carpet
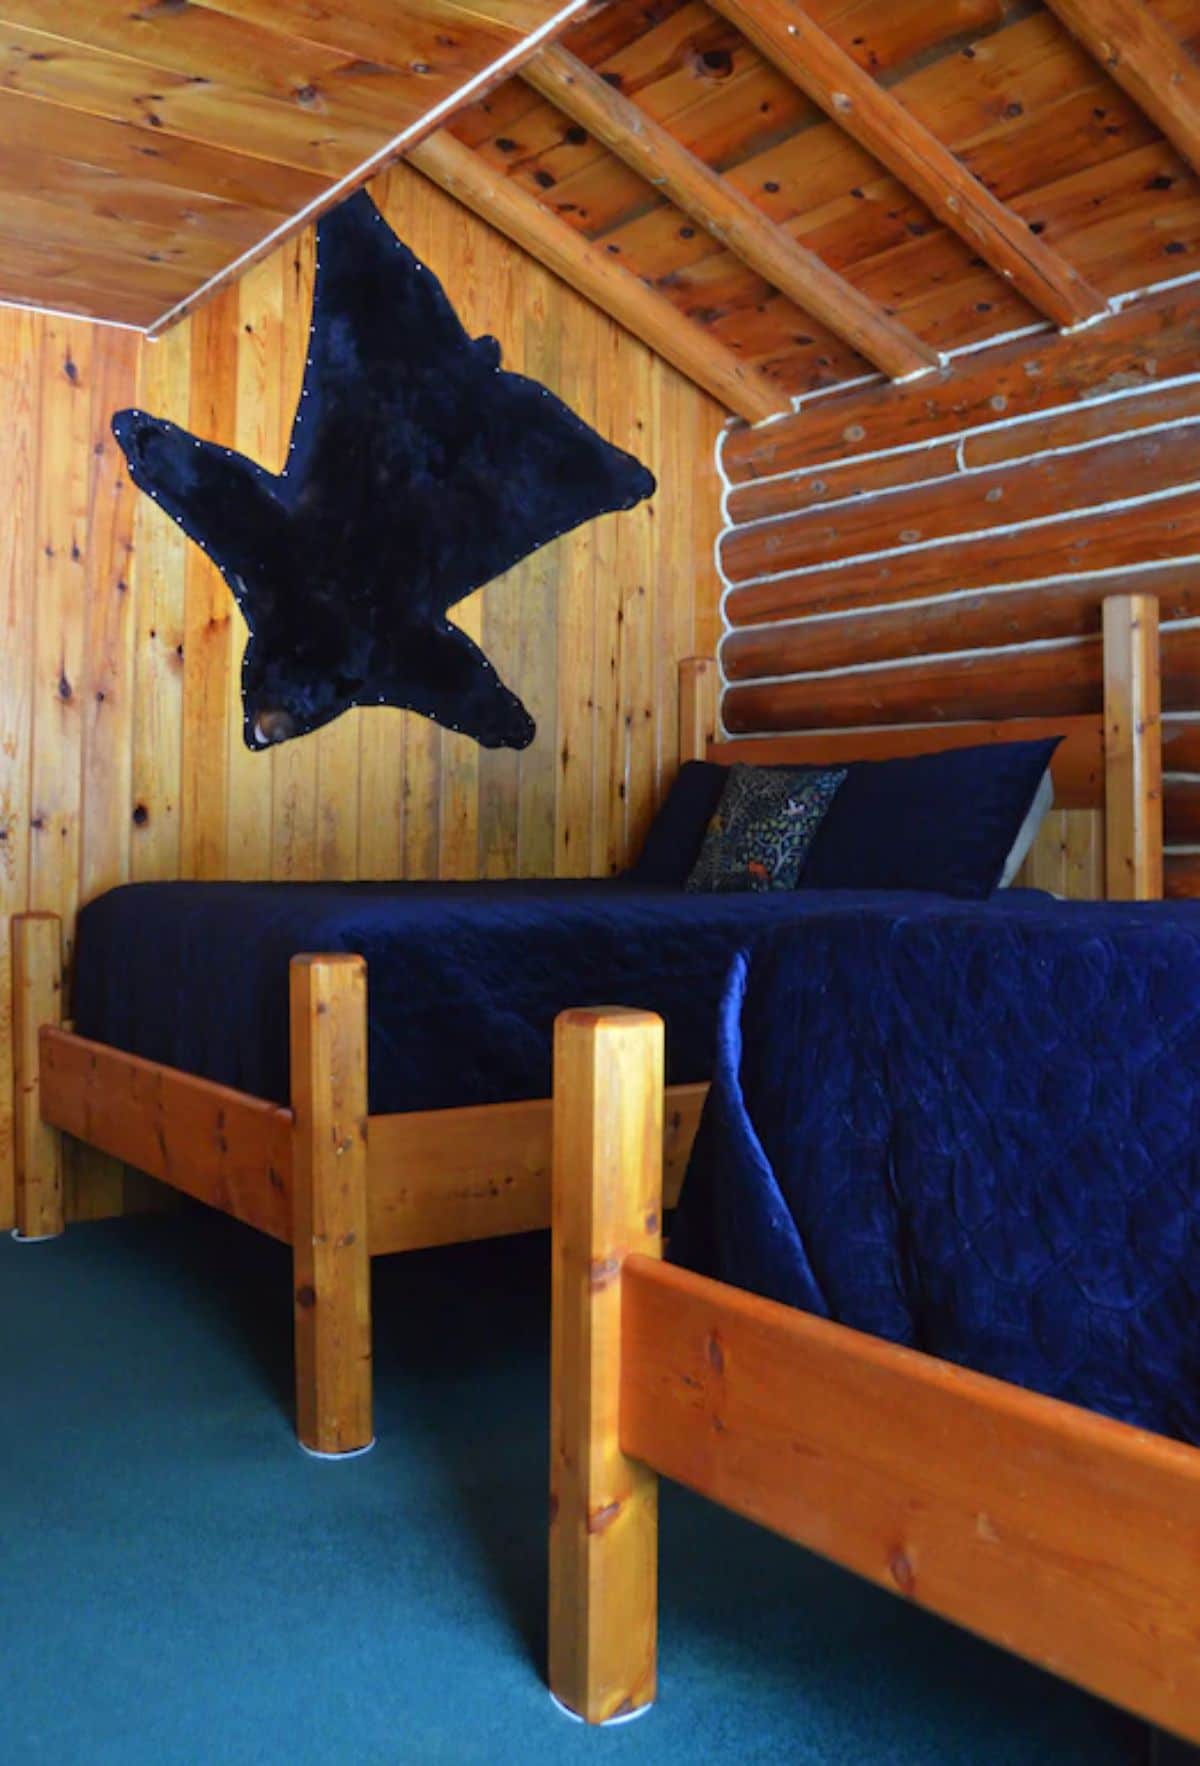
<point>180,1586</point>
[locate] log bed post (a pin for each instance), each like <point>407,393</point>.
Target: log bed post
<point>37,1000</point>
<point>1133,837</point>
<point>331,1256</point>
<point>608,1092</point>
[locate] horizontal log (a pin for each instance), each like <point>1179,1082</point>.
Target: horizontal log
<point>1066,427</point>
<point>1078,764</point>
<point>1181,812</point>
<point>968,503</point>
<point>1042,1526</point>
<point>440,1177</point>
<point>1069,609</point>
<point>1087,540</point>
<point>856,478</point>
<point>1150,340</point>
<point>1004,683</point>
<point>1073,424</point>
<point>1181,876</point>
<point>220,1146</point>
<point>1181,745</point>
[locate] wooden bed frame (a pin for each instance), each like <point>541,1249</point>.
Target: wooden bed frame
<point>1066,1537</point>
<point>341,1187</point>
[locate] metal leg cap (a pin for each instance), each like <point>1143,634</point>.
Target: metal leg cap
<point>609,1722</point>
<point>349,1453</point>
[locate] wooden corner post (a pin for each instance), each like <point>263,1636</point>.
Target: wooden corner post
<point>608,1140</point>
<point>697,706</point>
<point>37,1000</point>
<point>331,1256</point>
<point>1133,816</point>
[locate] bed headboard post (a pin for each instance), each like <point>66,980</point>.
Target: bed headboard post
<point>697,706</point>
<point>1133,836</point>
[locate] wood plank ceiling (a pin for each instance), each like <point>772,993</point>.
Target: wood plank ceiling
<point>953,170</point>
<point>147,146</point>
<point>781,196</point>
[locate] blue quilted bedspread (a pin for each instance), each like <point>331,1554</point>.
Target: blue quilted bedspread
<point>463,979</point>
<point>974,1130</point>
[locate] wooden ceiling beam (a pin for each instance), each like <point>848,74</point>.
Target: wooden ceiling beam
<point>1138,51</point>
<point>468,177</point>
<point>783,32</point>
<point>655,154</point>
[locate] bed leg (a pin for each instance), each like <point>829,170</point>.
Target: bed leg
<point>1133,811</point>
<point>331,1255</point>
<point>608,1140</point>
<point>37,1000</point>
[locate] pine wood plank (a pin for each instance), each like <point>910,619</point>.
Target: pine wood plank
<point>785,32</point>
<point>159,568</point>
<point>259,431</point>
<point>60,592</point>
<point>441,1177</point>
<point>20,362</point>
<point>210,697</point>
<point>1068,1537</point>
<point>722,209</point>
<point>217,1145</point>
<point>466,176</point>
<point>37,977</point>
<point>603,1505</point>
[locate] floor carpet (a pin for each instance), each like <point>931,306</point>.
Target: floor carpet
<point>180,1586</point>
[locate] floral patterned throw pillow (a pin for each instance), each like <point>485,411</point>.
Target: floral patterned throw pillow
<point>763,827</point>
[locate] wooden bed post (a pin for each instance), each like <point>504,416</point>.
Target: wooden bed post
<point>37,1000</point>
<point>608,1139</point>
<point>697,706</point>
<point>331,1256</point>
<point>1133,836</point>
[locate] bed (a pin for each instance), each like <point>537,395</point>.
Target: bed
<point>1062,1522</point>
<point>342,1160</point>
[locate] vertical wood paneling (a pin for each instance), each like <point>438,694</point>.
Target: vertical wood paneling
<point>20,362</point>
<point>121,751</point>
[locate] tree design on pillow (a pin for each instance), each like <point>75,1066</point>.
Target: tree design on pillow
<point>418,471</point>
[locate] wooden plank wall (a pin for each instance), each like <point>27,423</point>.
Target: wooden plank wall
<point>906,555</point>
<point>121,753</point>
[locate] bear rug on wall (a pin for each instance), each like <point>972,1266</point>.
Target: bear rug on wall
<point>418,470</point>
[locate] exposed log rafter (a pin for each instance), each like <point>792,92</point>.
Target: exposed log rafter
<point>655,154</point>
<point>465,175</point>
<point>783,32</point>
<point>1137,50</point>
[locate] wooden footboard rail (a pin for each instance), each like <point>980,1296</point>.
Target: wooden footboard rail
<point>1069,1539</point>
<point>337,1185</point>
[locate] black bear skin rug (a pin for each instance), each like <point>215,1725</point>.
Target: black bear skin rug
<point>418,471</point>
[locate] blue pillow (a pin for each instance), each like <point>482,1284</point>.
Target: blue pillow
<point>940,822</point>
<point>677,832</point>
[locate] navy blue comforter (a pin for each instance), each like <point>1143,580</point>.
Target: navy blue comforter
<point>464,979</point>
<point>974,1129</point>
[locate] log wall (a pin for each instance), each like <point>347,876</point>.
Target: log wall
<point>939,552</point>
<point>121,753</point>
